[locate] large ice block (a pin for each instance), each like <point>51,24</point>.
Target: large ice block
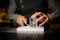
<point>30,30</point>
<point>30,33</point>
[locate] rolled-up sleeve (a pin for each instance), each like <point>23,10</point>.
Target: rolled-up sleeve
<point>56,7</point>
<point>11,10</point>
<point>54,15</point>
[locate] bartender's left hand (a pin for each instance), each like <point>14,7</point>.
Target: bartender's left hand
<point>43,18</point>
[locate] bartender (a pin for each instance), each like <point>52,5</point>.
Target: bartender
<point>21,10</point>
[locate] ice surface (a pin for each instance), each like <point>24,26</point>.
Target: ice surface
<point>30,30</point>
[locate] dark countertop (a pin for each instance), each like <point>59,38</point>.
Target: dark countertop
<point>10,34</point>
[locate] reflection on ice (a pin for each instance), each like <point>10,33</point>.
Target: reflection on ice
<point>30,33</point>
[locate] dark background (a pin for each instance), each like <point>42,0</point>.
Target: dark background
<point>4,3</point>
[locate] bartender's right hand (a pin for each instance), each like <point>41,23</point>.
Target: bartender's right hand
<point>21,20</point>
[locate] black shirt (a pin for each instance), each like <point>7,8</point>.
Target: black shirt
<point>28,7</point>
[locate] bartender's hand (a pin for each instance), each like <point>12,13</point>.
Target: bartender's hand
<point>43,18</point>
<point>21,20</point>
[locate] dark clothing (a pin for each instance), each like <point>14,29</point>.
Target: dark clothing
<point>31,6</point>
<point>26,7</point>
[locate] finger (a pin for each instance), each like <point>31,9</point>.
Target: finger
<point>43,22</point>
<point>39,19</point>
<point>35,15</point>
<point>21,23</point>
<point>25,21</point>
<point>43,19</point>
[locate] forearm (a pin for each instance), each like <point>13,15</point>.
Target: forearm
<point>55,5</point>
<point>54,15</point>
<point>11,10</point>
<point>12,16</point>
